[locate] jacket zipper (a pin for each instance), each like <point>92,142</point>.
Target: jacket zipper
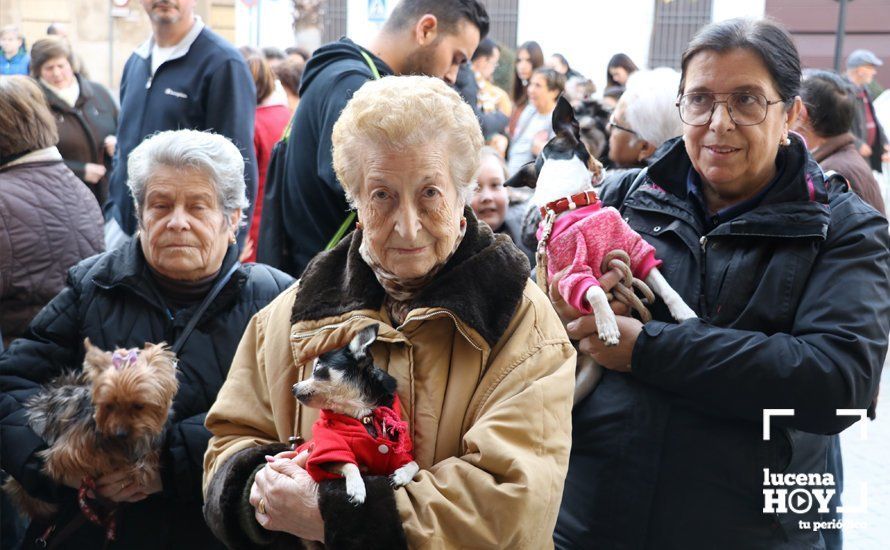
<point>702,299</point>
<point>302,335</point>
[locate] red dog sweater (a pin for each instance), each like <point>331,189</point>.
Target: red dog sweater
<point>340,438</point>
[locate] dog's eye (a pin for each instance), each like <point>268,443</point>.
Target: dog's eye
<point>109,407</point>
<point>138,406</point>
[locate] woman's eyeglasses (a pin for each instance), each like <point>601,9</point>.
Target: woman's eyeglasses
<point>745,108</point>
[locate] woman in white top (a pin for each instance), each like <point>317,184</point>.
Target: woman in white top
<point>534,128</point>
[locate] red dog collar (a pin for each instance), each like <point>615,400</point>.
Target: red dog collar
<point>569,203</point>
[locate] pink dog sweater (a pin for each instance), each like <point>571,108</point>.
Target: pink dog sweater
<point>581,238</point>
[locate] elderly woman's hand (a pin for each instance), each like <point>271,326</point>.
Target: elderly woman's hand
<point>120,486</point>
<point>289,498</point>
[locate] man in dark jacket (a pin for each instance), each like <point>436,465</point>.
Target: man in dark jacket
<point>429,37</point>
<point>112,300</point>
<point>671,454</point>
<point>871,138</point>
<point>825,123</point>
<point>184,76</point>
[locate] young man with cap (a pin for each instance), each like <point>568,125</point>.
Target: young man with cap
<point>871,139</point>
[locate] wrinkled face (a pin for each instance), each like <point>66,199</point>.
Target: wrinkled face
<point>539,95</point>
<point>10,43</point>
<point>864,74</point>
<point>57,71</point>
<point>169,12</point>
<point>184,232</point>
<point>486,66</point>
<point>735,162</point>
<point>444,54</point>
<point>624,147</point>
<point>132,400</point>
<point>618,74</point>
<point>410,208</point>
<point>524,67</point>
<point>490,199</point>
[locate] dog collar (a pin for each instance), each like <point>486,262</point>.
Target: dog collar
<point>569,203</point>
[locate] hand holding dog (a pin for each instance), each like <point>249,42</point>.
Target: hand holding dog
<point>568,313</point>
<point>616,357</point>
<point>290,497</point>
<point>120,486</point>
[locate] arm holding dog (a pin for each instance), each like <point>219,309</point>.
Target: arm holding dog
<point>51,345</point>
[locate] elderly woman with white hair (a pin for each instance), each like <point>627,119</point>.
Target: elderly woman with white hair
<point>483,365</point>
<point>177,281</point>
<point>645,118</point>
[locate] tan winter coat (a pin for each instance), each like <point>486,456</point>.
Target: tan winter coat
<point>485,376</point>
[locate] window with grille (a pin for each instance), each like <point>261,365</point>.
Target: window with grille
<point>334,21</point>
<point>675,23</point>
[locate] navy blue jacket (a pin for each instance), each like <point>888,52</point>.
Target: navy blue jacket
<point>209,88</point>
<point>313,204</point>
<point>112,300</point>
<point>794,304</point>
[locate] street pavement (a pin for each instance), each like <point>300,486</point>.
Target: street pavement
<point>867,470</point>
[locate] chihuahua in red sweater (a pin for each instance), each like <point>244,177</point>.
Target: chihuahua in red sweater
<point>360,429</point>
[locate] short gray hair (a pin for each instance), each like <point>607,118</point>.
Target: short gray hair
<point>211,154</point>
<point>650,105</point>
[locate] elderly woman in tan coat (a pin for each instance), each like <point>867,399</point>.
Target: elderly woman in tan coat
<point>484,368</point>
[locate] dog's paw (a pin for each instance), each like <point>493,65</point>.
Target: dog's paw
<point>355,488</point>
<point>404,475</point>
<point>608,331</point>
<point>681,312</point>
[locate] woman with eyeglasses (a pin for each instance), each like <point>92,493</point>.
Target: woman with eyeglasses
<point>789,273</point>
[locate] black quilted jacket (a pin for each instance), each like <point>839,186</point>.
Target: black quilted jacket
<point>49,221</point>
<point>110,299</point>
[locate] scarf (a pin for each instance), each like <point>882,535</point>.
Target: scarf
<point>400,292</point>
<point>68,94</point>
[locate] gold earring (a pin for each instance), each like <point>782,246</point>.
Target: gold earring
<point>232,239</point>
<point>358,225</point>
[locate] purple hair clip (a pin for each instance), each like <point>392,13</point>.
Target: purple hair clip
<point>122,359</point>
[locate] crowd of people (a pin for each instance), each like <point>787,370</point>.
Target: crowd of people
<point>257,208</point>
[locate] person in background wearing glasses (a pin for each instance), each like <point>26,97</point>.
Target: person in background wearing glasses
<point>788,272</point>
<point>645,118</point>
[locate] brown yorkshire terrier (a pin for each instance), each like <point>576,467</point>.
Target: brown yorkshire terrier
<point>109,417</point>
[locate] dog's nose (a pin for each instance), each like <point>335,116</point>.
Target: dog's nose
<point>121,434</point>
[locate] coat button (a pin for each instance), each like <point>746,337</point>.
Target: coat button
<point>383,449</point>
<point>657,228</point>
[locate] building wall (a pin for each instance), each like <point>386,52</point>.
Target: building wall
<point>104,43</point>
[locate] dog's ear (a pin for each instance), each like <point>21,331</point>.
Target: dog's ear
<point>527,176</point>
<point>361,341</point>
<point>95,360</point>
<point>564,122</point>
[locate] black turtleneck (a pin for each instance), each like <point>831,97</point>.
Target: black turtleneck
<point>179,294</point>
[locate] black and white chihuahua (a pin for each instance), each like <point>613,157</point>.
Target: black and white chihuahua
<point>360,428</point>
<point>562,178</point>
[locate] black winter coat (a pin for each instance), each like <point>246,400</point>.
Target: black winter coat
<point>794,304</point>
<point>110,299</point>
<point>83,129</point>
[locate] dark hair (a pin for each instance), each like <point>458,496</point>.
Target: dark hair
<point>520,96</point>
<point>271,52</point>
<point>52,29</point>
<point>448,14</point>
<point>555,80</point>
<point>614,92</point>
<point>486,48</point>
<point>290,74</point>
<point>564,61</point>
<point>766,38</point>
<point>48,48</point>
<point>829,100</point>
<point>623,61</point>
<point>26,123</point>
<point>262,75</point>
<point>296,50</point>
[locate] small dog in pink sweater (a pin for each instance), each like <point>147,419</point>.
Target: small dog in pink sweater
<point>578,232</point>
